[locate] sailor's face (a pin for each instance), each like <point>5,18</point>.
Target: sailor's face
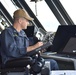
<point>24,23</point>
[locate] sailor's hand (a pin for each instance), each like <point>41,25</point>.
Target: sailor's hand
<point>38,44</point>
<point>30,48</point>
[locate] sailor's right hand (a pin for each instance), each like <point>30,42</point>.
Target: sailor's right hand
<point>38,44</point>
<point>30,48</point>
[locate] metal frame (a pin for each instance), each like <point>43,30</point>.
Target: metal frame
<point>59,12</point>
<point>5,14</point>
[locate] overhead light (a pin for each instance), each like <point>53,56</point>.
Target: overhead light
<point>35,4</point>
<point>35,0</point>
<point>32,0</point>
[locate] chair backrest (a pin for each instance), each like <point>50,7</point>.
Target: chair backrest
<point>0,53</point>
<point>0,50</point>
<point>0,59</point>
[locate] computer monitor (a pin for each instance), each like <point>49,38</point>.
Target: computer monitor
<point>70,47</point>
<point>29,31</point>
<point>62,36</point>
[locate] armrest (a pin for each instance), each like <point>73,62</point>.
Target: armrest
<point>18,62</point>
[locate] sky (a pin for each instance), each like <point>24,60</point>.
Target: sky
<point>70,7</point>
<point>44,14</point>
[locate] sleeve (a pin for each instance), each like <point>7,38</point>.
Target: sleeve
<point>10,47</point>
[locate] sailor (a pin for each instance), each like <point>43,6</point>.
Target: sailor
<point>15,43</point>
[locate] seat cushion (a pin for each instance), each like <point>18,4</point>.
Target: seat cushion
<point>18,62</point>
